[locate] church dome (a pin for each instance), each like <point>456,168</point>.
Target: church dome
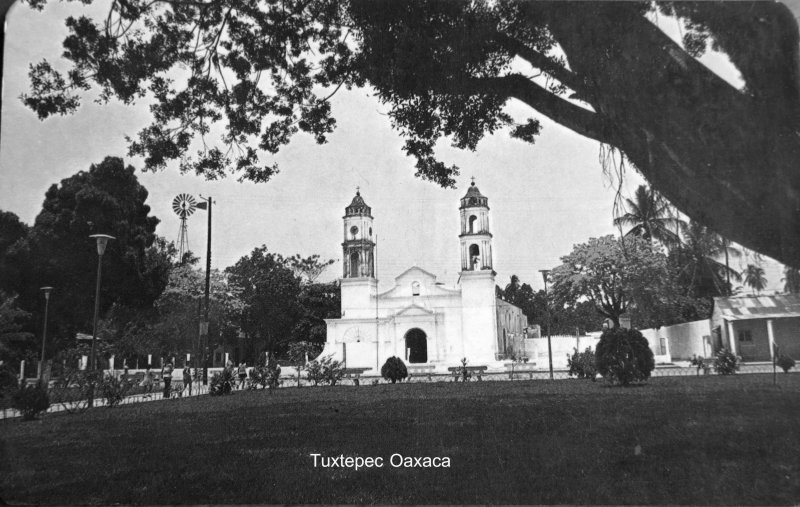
<point>474,197</point>
<point>358,207</point>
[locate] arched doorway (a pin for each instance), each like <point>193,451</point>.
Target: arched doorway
<point>416,346</point>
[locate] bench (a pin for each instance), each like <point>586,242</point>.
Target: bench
<point>456,371</point>
<point>354,373</point>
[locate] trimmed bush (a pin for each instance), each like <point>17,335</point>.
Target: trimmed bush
<point>785,363</point>
<point>624,356</point>
<point>30,401</point>
<point>394,369</point>
<point>583,364</point>
<point>725,362</point>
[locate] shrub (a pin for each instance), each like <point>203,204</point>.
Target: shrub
<point>73,390</point>
<point>624,356</point>
<point>8,380</point>
<point>394,369</point>
<point>221,383</point>
<point>268,376</point>
<point>114,390</point>
<point>324,370</point>
<point>582,364</point>
<point>30,401</point>
<point>785,363</point>
<point>725,362</point>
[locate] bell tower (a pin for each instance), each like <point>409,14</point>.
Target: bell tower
<point>478,300</point>
<point>358,247</point>
<point>359,285</point>
<point>475,238</point>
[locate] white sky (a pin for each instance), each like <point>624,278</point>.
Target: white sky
<point>544,198</point>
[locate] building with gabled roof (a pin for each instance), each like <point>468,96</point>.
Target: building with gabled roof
<point>428,325</point>
<point>750,325</point>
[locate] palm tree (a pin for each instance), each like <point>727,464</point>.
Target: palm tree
<point>699,271</point>
<point>650,218</point>
<point>791,279</point>
<point>754,277</point>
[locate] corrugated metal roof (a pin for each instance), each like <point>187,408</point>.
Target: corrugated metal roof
<point>759,307</point>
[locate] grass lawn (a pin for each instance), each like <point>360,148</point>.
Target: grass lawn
<point>702,440</point>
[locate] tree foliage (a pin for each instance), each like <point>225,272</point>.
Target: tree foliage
<point>650,218</point>
<point>278,306</point>
<point>394,369</point>
<point>58,251</point>
<point>754,277</point>
<point>624,356</point>
<point>445,69</point>
<point>617,276</point>
<point>696,260</point>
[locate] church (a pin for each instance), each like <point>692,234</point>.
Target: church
<point>428,325</point>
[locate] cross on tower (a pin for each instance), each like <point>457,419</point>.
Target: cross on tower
<point>358,190</point>
<point>473,181</point>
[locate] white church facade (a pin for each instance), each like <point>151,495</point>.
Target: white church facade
<point>428,325</point>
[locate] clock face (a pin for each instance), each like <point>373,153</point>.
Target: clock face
<point>354,231</point>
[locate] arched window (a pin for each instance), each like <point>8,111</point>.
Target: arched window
<point>472,220</point>
<point>415,289</point>
<point>474,257</point>
<point>354,265</point>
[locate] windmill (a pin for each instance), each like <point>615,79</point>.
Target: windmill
<point>183,205</point>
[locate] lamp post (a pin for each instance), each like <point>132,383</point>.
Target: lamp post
<point>46,291</point>
<point>544,273</point>
<point>206,205</point>
<point>102,241</point>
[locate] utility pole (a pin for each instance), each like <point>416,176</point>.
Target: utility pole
<point>544,273</point>
<point>206,205</point>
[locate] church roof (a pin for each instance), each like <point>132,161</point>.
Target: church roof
<point>358,207</point>
<point>474,197</point>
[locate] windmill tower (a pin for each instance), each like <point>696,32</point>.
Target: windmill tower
<point>183,205</point>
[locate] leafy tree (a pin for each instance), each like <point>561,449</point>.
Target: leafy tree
<point>266,70</point>
<point>58,251</point>
<point>522,296</point>
<point>15,343</point>
<point>617,276</point>
<point>624,356</point>
<point>12,233</point>
<point>754,277</point>
<point>308,269</point>
<point>270,292</point>
<point>316,302</point>
<point>791,279</point>
<point>171,326</point>
<point>577,316</point>
<point>699,272</point>
<point>650,218</point>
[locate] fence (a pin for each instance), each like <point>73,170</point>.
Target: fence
<point>290,381</point>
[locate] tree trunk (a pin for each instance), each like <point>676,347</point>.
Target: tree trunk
<point>726,158</point>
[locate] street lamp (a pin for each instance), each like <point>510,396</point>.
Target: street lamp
<point>544,273</point>
<point>46,291</point>
<point>102,241</point>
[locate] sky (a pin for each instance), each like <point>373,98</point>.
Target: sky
<point>544,198</point>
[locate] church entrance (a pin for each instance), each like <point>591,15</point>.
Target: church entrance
<point>416,346</point>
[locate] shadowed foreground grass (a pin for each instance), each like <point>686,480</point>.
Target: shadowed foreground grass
<point>703,440</point>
